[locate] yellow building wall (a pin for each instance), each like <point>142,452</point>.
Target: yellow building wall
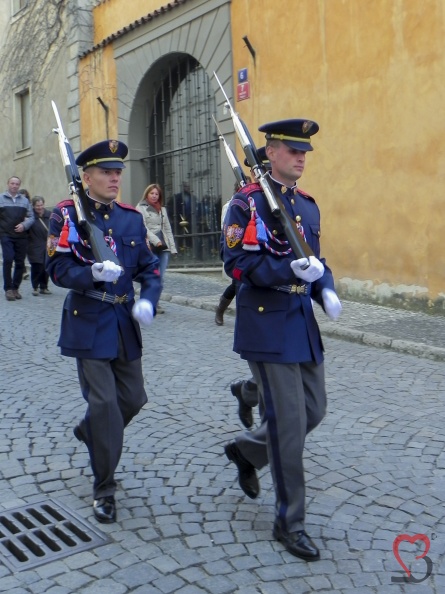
<point>371,73</point>
<point>113,15</point>
<point>97,78</point>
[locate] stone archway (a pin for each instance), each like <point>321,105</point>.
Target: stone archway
<point>144,58</point>
<point>184,156</point>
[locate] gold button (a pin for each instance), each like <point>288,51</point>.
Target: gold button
<point>261,309</point>
<point>106,217</point>
<point>298,218</point>
<point>114,282</point>
<point>110,231</point>
<point>274,232</point>
<point>292,201</point>
<point>132,244</point>
<point>96,205</point>
<point>75,312</point>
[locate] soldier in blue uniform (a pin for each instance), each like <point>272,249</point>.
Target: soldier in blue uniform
<point>276,331</point>
<point>100,319</point>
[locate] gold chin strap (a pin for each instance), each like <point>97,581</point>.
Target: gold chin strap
<point>284,137</point>
<point>96,161</point>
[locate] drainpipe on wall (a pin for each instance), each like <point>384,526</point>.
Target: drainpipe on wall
<point>107,110</point>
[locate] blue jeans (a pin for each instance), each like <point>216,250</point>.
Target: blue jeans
<point>164,257</point>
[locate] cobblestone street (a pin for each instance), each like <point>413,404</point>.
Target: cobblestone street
<point>375,467</point>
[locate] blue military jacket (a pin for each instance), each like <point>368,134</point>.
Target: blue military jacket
<point>90,327</point>
<point>272,325</point>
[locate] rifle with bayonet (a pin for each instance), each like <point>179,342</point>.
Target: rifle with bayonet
<point>299,246</point>
<point>100,248</point>
<point>234,163</point>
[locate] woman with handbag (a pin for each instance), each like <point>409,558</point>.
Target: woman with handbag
<point>37,239</point>
<point>159,232</point>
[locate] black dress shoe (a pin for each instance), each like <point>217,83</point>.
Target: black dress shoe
<point>244,410</point>
<point>104,509</point>
<point>298,544</point>
<point>247,478</point>
<point>78,434</point>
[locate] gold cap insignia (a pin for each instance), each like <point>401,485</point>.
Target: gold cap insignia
<point>306,127</point>
<point>113,144</point>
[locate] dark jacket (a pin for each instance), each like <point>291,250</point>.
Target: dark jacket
<point>14,212</point>
<point>90,328</point>
<point>271,325</point>
<point>37,236</point>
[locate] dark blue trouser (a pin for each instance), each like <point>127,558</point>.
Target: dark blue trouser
<point>114,391</point>
<point>292,401</point>
<point>39,276</point>
<point>14,252</point>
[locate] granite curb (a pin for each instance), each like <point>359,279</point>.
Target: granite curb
<point>331,329</point>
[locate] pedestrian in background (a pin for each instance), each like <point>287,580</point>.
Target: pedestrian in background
<point>100,319</point>
<point>229,292</point>
<point>276,330</point>
<point>37,238</point>
<point>159,231</point>
<point>16,217</point>
<point>25,192</point>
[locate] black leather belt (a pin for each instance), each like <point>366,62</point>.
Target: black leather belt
<point>299,289</point>
<point>106,297</point>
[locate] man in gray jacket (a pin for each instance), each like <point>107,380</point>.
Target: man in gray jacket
<point>16,217</point>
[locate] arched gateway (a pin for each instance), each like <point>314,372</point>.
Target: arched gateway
<point>184,156</point>
<point>166,99</point>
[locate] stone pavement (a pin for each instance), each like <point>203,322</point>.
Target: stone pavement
<point>418,334</point>
<point>375,467</point>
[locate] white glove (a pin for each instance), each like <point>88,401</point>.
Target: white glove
<point>313,272</point>
<point>331,302</point>
<point>142,312</point>
<point>106,271</point>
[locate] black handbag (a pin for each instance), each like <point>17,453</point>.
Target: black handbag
<point>157,249</point>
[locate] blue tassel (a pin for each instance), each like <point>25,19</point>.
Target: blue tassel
<point>72,235</point>
<point>261,234</point>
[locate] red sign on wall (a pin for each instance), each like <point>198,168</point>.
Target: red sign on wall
<point>243,91</point>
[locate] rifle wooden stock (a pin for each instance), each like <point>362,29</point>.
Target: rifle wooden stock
<point>100,248</point>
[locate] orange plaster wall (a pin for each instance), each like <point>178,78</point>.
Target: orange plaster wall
<point>371,74</point>
<point>112,15</point>
<point>97,78</point>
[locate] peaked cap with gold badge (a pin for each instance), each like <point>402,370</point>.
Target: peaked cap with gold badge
<point>108,154</point>
<point>294,133</point>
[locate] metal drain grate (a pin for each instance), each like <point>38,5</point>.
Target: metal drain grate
<point>35,534</point>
